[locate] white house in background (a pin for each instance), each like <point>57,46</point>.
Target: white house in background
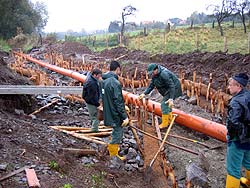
<point>169,22</point>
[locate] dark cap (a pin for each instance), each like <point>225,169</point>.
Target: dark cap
<point>241,78</point>
<point>151,68</point>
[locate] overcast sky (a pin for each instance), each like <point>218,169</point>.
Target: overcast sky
<point>96,14</point>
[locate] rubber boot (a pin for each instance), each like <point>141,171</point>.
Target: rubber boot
<point>113,151</point>
<point>246,180</point>
<point>165,121</point>
<point>232,182</point>
<point>248,174</point>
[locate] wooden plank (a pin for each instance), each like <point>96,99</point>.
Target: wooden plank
<point>46,106</point>
<point>89,131</point>
<point>97,134</point>
<point>32,179</point>
<point>68,128</point>
<point>13,173</point>
<point>80,129</point>
<point>96,138</point>
<point>80,136</point>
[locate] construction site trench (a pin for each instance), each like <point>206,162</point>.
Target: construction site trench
<point>41,142</point>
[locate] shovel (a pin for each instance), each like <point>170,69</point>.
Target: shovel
<point>149,168</point>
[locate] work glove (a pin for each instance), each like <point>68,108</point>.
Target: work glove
<point>127,109</point>
<point>141,96</point>
<point>125,122</point>
<point>170,103</point>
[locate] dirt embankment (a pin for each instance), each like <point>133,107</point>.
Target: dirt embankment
<point>27,141</point>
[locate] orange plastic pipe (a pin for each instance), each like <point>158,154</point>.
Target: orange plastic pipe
<point>196,123</point>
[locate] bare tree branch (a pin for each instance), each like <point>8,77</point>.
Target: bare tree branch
<point>127,11</point>
<point>220,12</point>
<point>241,7</point>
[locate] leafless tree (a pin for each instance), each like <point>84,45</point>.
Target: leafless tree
<point>241,8</point>
<point>127,11</point>
<point>220,12</point>
<point>248,12</point>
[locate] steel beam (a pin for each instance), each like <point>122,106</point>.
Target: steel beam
<point>35,90</point>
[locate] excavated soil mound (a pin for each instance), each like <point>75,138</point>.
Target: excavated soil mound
<point>70,48</point>
<point>12,102</point>
<point>218,63</point>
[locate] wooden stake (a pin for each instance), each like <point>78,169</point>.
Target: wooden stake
<point>142,114</point>
<point>225,83</point>
<point>146,76</point>
<point>139,114</point>
<point>153,115</point>
<point>197,97</point>
<point>212,102</point>
<point>209,86</point>
<point>135,74</point>
<point>47,105</point>
<point>182,81</point>
<point>146,109</point>
<point>188,89</point>
<point>199,86</point>
<point>219,102</point>
<point>135,134</point>
<point>193,84</point>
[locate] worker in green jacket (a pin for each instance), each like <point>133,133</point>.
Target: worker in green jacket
<point>114,107</point>
<point>238,132</point>
<point>168,85</point>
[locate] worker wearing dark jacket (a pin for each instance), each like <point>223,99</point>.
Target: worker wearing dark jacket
<point>114,107</point>
<point>168,85</point>
<point>238,135</point>
<point>91,94</point>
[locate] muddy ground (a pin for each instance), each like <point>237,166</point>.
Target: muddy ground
<point>28,141</point>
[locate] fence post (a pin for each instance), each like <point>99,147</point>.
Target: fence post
<point>225,44</point>
<point>164,38</point>
<point>197,41</point>
<point>249,42</point>
<point>107,40</point>
<point>139,43</point>
<point>94,41</point>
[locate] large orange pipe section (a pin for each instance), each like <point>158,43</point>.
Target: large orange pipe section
<point>66,72</point>
<point>196,123</point>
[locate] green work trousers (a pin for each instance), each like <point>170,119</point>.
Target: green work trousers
<point>93,117</point>
<point>165,109</point>
<point>236,158</point>
<point>116,134</point>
